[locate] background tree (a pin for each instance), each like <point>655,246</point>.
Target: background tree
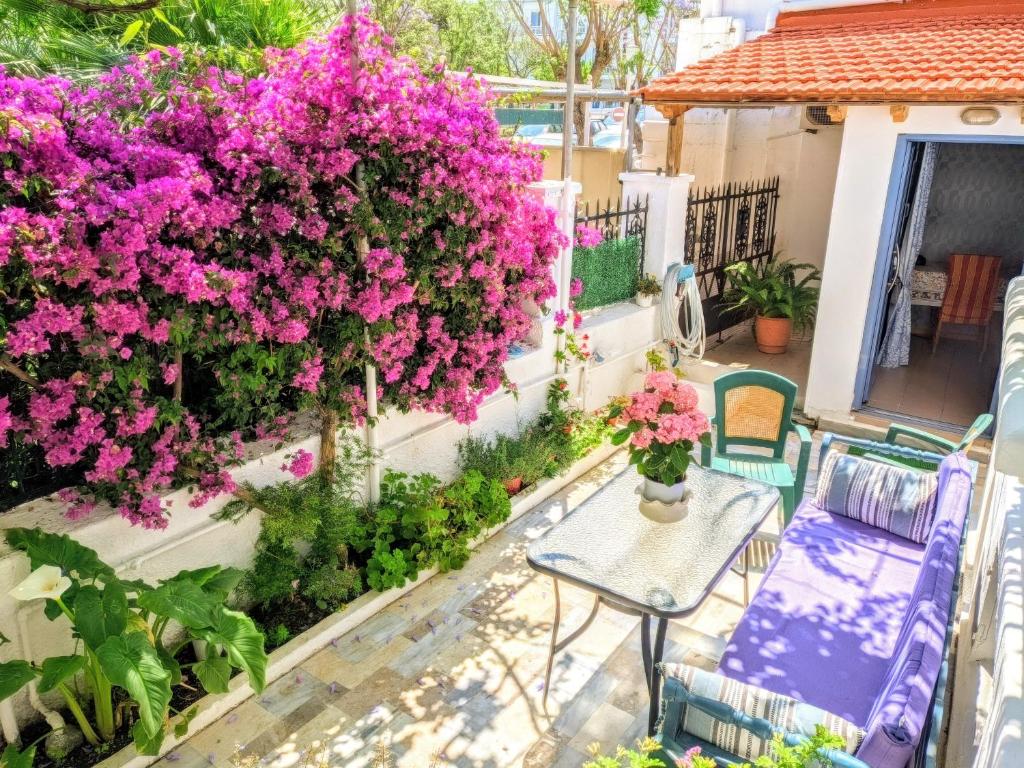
<point>84,38</point>
<point>598,43</point>
<point>649,45</point>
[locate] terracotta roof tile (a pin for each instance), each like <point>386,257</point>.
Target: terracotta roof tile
<point>918,51</point>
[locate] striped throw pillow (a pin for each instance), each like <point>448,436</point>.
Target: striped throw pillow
<point>781,711</point>
<point>896,499</point>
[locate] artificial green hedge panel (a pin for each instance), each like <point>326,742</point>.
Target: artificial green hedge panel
<point>609,272</point>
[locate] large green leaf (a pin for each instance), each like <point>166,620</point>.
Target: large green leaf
<point>146,743</point>
<point>115,608</point>
<point>214,672</point>
<point>14,675</point>
<point>132,663</point>
<point>183,601</point>
<point>57,669</point>
<point>89,619</point>
<point>243,642</point>
<point>67,554</point>
<point>215,579</point>
<point>12,758</point>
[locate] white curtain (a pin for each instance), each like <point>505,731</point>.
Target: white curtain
<point>895,350</point>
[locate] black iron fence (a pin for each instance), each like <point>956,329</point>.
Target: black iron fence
<point>726,224</point>
<point>610,270</point>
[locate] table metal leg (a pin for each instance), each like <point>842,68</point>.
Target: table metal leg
<point>557,645</point>
<point>645,648</point>
<point>655,676</point>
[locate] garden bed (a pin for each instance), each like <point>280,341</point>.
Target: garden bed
<point>300,648</point>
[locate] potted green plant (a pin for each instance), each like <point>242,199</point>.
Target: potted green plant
<point>500,459</point>
<point>781,296</point>
<point>648,288</point>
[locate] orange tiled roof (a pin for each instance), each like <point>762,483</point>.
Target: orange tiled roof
<point>916,51</point>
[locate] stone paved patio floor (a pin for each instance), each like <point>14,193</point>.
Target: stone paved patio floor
<point>452,674</point>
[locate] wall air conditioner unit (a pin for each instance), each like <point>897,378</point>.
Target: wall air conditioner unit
<point>817,117</point>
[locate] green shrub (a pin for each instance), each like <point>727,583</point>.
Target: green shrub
<point>420,523</point>
<point>305,535</point>
<point>547,447</point>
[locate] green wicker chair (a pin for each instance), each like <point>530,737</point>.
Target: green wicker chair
<point>900,434</point>
<point>754,409</point>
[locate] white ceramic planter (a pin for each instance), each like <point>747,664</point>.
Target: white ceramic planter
<point>643,300</point>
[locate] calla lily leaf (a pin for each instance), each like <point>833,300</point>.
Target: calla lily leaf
<point>60,550</point>
<point>13,676</point>
<point>57,669</point>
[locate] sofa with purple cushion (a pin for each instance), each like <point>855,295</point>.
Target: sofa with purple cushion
<point>850,620</point>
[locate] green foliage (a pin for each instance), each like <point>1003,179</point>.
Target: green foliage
<point>640,757</point>
<point>11,757</point>
<point>38,36</point>
<point>648,285</point>
<point>547,447</point>
<point>779,289</point>
<point>305,532</point>
<point>610,272</point>
<point>464,33</point>
<point>122,626</point>
<point>809,753</point>
<point>420,523</point>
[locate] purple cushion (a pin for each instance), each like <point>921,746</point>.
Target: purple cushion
<point>897,720</point>
<point>830,624</point>
<point>830,608</point>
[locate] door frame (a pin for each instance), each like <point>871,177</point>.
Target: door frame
<point>883,254</point>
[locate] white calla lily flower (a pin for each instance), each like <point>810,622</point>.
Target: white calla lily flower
<point>45,582</point>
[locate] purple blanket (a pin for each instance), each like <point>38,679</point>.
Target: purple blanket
<point>852,619</point>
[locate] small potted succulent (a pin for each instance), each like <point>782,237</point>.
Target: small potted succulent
<point>781,295</point>
<point>648,288</point>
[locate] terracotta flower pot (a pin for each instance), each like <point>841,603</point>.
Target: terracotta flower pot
<point>513,486</point>
<point>772,334</point>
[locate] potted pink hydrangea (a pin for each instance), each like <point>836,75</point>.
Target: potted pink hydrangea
<point>662,424</point>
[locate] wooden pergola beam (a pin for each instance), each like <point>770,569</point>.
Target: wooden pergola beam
<point>674,150</point>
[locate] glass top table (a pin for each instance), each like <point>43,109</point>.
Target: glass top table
<point>651,569</point>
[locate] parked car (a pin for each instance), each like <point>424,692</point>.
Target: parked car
<point>530,131</point>
<point>610,138</point>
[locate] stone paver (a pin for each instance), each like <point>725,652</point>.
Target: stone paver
<point>452,674</point>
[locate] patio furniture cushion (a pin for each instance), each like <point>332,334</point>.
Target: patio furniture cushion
<point>830,607</point>
<point>898,718</point>
<point>853,619</point>
<point>778,710</point>
<point>896,499</point>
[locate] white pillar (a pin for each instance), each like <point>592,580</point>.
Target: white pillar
<point>666,215</point>
<point>551,193</point>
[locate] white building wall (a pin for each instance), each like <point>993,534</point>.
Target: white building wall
<point>858,206</point>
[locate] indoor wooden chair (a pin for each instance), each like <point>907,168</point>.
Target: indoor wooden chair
<point>970,293</point>
<point>754,409</point>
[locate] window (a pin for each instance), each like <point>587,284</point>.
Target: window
<point>535,21</point>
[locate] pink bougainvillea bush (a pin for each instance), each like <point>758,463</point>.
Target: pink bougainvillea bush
<point>187,254</point>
